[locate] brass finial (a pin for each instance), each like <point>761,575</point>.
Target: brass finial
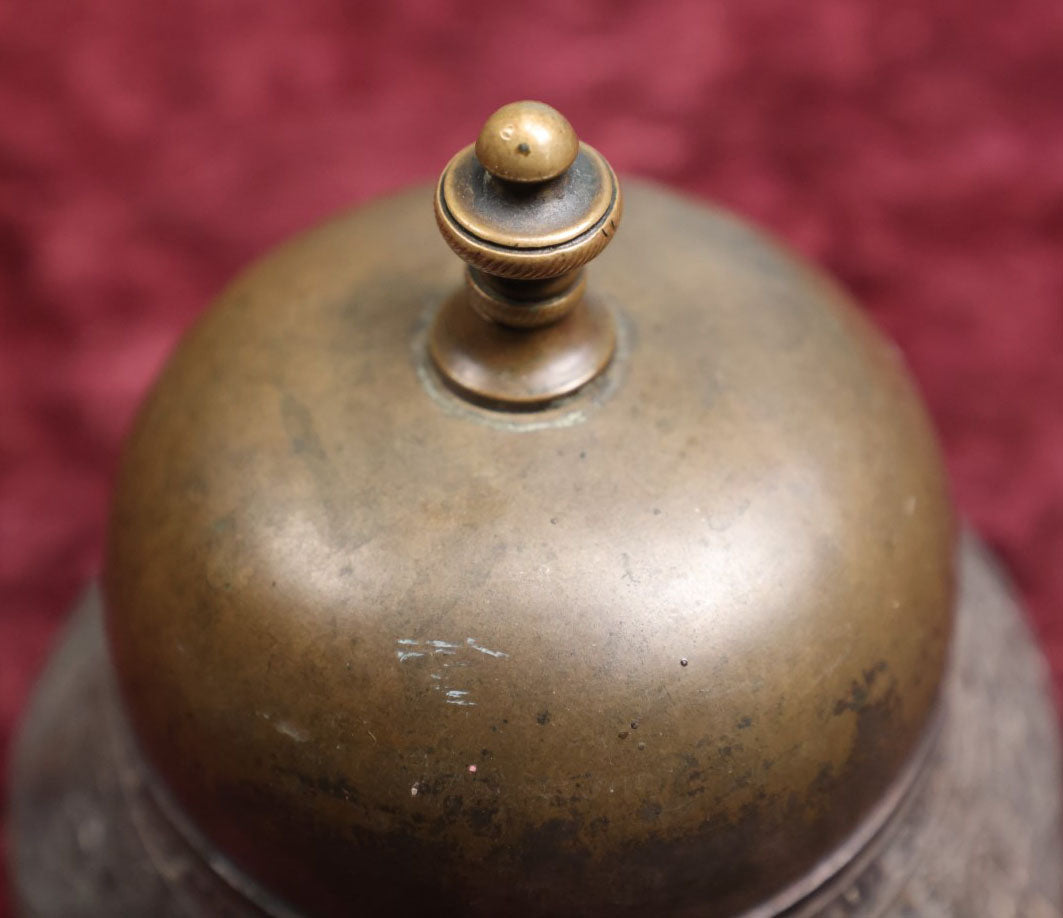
<point>526,208</point>
<point>527,142</point>
<point>528,216</point>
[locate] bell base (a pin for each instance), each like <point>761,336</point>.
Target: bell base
<point>978,832</point>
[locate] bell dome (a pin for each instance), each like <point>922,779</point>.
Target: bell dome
<point>625,591</point>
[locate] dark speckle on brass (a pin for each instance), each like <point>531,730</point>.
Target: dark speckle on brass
<point>650,811</point>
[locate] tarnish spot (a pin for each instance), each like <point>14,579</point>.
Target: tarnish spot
<point>859,695</point>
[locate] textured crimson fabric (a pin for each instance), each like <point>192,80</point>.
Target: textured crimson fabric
<point>150,149</point>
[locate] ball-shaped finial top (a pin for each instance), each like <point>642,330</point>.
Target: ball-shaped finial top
<point>527,142</point>
<point>527,215</point>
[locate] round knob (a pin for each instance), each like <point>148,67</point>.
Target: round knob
<point>528,200</point>
<point>527,142</point>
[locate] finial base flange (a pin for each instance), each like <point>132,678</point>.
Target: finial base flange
<point>520,369</point>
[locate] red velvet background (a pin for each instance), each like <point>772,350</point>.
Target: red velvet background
<point>149,149</point>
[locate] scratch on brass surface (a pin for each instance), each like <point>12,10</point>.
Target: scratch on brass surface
<point>412,649</point>
<point>498,654</point>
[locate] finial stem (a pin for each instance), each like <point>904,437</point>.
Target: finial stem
<point>525,303</point>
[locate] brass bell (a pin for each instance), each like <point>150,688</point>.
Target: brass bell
<point>629,589</point>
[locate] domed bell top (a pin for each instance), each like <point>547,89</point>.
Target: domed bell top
<point>620,590</point>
